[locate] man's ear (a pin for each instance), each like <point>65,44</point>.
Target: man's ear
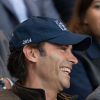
<point>30,53</point>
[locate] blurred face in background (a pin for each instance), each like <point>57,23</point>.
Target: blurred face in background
<point>92,18</point>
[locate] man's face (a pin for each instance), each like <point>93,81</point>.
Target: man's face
<point>54,68</point>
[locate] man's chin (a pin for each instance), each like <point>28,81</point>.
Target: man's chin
<point>66,83</point>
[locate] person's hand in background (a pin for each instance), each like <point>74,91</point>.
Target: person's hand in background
<point>5,83</point>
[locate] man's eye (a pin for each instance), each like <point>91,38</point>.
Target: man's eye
<point>63,48</point>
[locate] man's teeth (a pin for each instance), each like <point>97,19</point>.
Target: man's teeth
<point>66,70</point>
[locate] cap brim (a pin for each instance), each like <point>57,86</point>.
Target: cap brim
<point>79,42</point>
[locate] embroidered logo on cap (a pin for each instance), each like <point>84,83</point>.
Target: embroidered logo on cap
<point>27,41</point>
<point>61,25</point>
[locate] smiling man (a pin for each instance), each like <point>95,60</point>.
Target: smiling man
<point>41,59</point>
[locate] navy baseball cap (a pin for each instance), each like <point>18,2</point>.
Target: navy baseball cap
<point>43,29</point>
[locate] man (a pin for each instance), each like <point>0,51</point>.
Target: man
<point>41,59</point>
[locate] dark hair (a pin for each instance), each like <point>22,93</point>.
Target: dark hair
<point>76,24</point>
<point>17,64</point>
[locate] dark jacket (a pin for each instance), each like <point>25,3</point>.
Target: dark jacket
<point>95,95</point>
<point>91,62</point>
<point>22,93</point>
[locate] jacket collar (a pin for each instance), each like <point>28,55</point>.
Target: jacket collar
<point>28,93</point>
<point>36,94</point>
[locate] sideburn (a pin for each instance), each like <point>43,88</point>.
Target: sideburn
<point>42,51</point>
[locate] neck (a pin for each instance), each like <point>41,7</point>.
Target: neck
<point>50,94</point>
<point>37,83</point>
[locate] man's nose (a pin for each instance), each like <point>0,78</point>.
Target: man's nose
<point>73,59</point>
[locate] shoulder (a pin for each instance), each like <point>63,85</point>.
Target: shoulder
<point>8,95</point>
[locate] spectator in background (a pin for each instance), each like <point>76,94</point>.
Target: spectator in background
<point>4,53</point>
<point>41,59</point>
<point>86,74</point>
<point>15,11</point>
<point>4,74</point>
<point>65,9</point>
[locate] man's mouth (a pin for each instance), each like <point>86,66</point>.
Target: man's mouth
<point>66,70</point>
